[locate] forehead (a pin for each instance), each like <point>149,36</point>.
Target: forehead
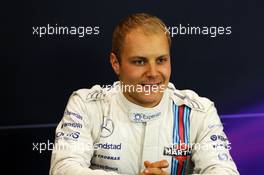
<point>139,42</point>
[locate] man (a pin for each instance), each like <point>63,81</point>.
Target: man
<point>141,125</point>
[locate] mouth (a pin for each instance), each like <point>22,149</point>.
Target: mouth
<point>151,84</point>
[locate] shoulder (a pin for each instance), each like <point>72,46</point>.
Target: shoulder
<point>92,103</point>
<point>92,100</point>
<point>190,99</point>
<point>96,93</point>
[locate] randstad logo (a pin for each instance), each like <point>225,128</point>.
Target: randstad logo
<point>107,146</point>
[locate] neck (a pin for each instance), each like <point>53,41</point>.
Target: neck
<point>146,104</point>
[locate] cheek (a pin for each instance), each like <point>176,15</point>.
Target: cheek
<point>166,71</point>
<point>130,73</point>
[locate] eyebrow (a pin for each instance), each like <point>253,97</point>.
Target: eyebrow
<point>145,58</point>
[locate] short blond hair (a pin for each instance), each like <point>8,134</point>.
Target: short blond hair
<point>149,24</point>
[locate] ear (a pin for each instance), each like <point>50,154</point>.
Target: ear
<point>115,63</point>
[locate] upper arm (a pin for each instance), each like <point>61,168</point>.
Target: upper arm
<point>211,152</point>
<point>73,139</point>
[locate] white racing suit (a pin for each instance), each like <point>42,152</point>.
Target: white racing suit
<point>102,133</point>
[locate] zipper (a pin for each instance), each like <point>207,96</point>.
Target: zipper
<point>142,147</point>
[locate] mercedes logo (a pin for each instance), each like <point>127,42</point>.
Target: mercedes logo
<point>107,127</point>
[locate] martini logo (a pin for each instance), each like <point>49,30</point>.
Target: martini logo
<point>177,150</point>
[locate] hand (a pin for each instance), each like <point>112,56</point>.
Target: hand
<point>155,168</point>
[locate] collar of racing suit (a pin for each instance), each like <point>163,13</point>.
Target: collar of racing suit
<point>141,114</point>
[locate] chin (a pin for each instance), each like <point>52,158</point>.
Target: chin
<point>152,98</point>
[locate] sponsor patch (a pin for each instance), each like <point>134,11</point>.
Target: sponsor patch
<point>107,157</point>
<point>107,128</point>
<point>223,156</point>
<point>218,137</point>
<point>105,167</point>
<point>67,136</point>
<point>73,125</point>
<point>144,117</point>
<point>108,146</point>
<point>211,126</point>
<point>67,112</point>
<point>178,151</point>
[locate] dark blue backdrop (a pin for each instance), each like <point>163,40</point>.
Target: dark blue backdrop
<point>39,73</point>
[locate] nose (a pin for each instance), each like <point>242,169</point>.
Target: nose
<point>152,70</point>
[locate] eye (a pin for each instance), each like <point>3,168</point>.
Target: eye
<point>138,62</point>
<point>162,60</point>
